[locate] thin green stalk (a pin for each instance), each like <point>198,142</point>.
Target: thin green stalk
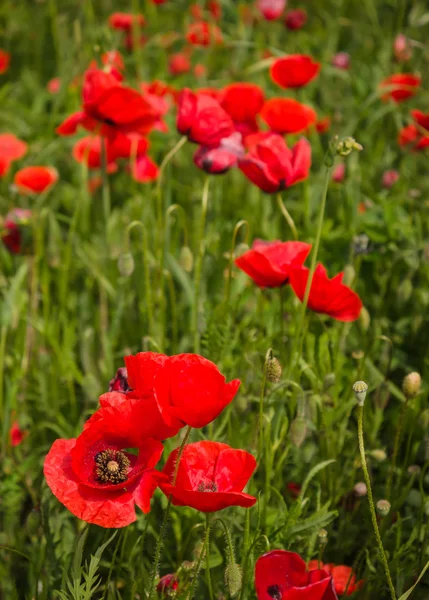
<point>207,545</point>
<point>287,216</point>
<point>371,502</point>
<point>398,435</point>
<point>261,404</point>
<point>106,188</point>
<point>199,265</point>
<point>3,338</point>
<point>197,569</point>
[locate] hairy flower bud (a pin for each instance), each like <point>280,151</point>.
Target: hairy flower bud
<point>186,259</point>
<point>383,507</point>
<point>298,431</point>
<point>233,578</point>
<point>360,489</point>
<point>360,388</point>
<point>126,264</point>
<point>412,384</point>
<point>273,370</point>
<point>378,455</point>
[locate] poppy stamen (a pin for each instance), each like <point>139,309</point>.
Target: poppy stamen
<point>111,466</point>
<point>274,592</point>
<point>207,487</point>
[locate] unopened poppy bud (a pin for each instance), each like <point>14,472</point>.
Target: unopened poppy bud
<point>365,318</point>
<point>360,489</point>
<point>322,536</point>
<point>233,579</point>
<point>412,384</point>
<point>383,507</point>
<point>329,381</point>
<point>378,455</point>
<point>186,259</point>
<point>414,470</point>
<point>360,388</point>
<point>345,146</point>
<point>298,431</point>
<point>126,264</point>
<point>273,370</point>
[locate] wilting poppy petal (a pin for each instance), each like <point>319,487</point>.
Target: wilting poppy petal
<point>285,115</point>
<point>35,180</point>
<point>294,71</point>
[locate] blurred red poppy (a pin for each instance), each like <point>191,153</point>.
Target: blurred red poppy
<point>327,296</point>
<point>271,9</point>
<point>16,434</point>
<point>243,102</point>
<point>196,12</point>
<point>179,63</point>
<point>96,477</point>
<point>220,159</point>
<point>421,118</point>
<point>294,71</point>
<point>11,148</point>
<point>13,229</point>
<point>113,63</point>
<point>341,60</point>
<point>215,9</point>
<point>341,575</point>
<point>402,48</point>
<point>144,170</point>
<point>399,87</point>
<point>35,180</point>
<point>203,33</point>
<point>202,119</point>
<point>124,21</point>
<point>4,61</point>
<point>87,151</point>
<point>168,584</point>
<point>413,137</point>
<point>273,167</point>
<point>296,19</point>
<point>54,85</point>
<point>339,172</point>
<point>211,476</point>
<point>269,263</point>
<point>389,178</point>
<point>323,125</point>
<point>119,383</point>
<point>200,71</point>
<point>282,575</point>
<point>285,115</point>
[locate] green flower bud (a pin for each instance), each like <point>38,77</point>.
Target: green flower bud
<point>186,259</point>
<point>233,578</point>
<point>298,431</point>
<point>273,370</point>
<point>329,381</point>
<point>126,264</point>
<point>412,384</point>
<point>360,388</point>
<point>383,507</point>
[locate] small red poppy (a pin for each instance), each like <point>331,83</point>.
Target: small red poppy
<point>285,115</point>
<point>220,159</point>
<point>282,575</point>
<point>200,71</point>
<point>179,63</point>
<point>125,21</point>
<point>196,11</point>
<point>243,102</point>
<point>16,223</point>
<point>389,178</point>
<point>412,137</point>
<point>35,180</point>
<point>402,48</point>
<point>296,19</point>
<point>4,61</point>
<point>294,71</point>
<point>341,60</point>
<point>54,85</point>
<point>11,148</point>
<point>269,263</point>
<point>87,151</point>
<point>202,119</point>
<point>144,170</point>
<point>119,383</point>
<point>341,575</point>
<point>203,33</point>
<point>16,434</point>
<point>327,296</point>
<point>211,476</point>
<point>339,172</point>
<point>323,125</point>
<point>273,167</point>
<point>271,9</point>
<point>399,87</point>
<point>168,584</point>
<point>96,477</point>
<point>215,9</point>
<point>421,118</point>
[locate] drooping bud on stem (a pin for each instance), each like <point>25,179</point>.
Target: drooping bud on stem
<point>233,579</point>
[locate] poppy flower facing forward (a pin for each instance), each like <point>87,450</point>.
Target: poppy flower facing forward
<point>11,148</point>
<point>35,180</point>
<point>243,102</point>
<point>16,230</point>
<point>399,87</point>
<point>211,476</point>
<point>271,9</point>
<point>202,119</point>
<point>282,575</point>
<point>343,577</point>
<point>285,115</point>
<point>328,296</point>
<point>273,167</point>
<point>96,477</point>
<point>294,71</point>
<point>269,263</point>
<point>203,33</point>
<point>16,434</point>
<point>125,21</point>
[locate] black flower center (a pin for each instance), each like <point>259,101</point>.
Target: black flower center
<point>111,466</point>
<point>274,592</point>
<point>207,487</point>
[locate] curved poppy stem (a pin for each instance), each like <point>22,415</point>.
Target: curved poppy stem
<point>160,541</point>
<point>371,502</point>
<point>207,545</point>
<point>199,265</point>
<point>287,216</point>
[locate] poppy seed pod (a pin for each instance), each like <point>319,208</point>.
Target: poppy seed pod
<point>412,384</point>
<point>360,489</point>
<point>273,370</point>
<point>383,507</point>
<point>233,578</point>
<point>360,388</point>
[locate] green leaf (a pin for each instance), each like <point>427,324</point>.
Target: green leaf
<point>410,591</point>
<point>314,471</point>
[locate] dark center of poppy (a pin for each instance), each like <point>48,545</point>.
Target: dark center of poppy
<point>109,121</point>
<point>274,592</point>
<point>111,466</point>
<point>207,487</point>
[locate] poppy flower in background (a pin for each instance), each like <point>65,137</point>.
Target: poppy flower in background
<point>413,137</point>
<point>271,9</point>
<point>188,389</point>
<point>16,434</point>
<point>283,575</point>
<point>119,383</point>
<point>87,151</point>
<point>54,85</point>
<point>243,102</point>
<point>202,119</point>
<point>13,229</point>
<point>296,19</point>
<point>125,21</point>
<point>144,170</point>
<point>35,180</point>
<point>402,48</point>
<point>399,87</point>
<point>220,159</point>
<point>200,71</point>
<point>203,33</point>
<point>211,476</point>
<point>269,263</point>
<point>323,125</point>
<point>339,172</point>
<point>167,584</point>
<point>11,148</point>
<point>341,60</point>
<point>294,71</point>
<point>96,477</point>
<point>273,167</point>
<point>4,61</point>
<point>327,296</point>
<point>215,9</point>
<point>341,575</point>
<point>179,63</point>
<point>389,178</point>
<point>421,118</point>
<point>285,115</point>
<point>113,63</point>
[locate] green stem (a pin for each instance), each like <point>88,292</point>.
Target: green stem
<point>104,176</point>
<point>371,503</point>
<point>207,545</point>
<point>197,569</point>
<point>199,266</point>
<point>287,216</point>
<point>261,404</point>
<point>398,435</point>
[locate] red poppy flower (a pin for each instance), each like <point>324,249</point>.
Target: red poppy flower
<point>339,173</point>
<point>16,434</point>
<point>179,63</point>
<point>15,226</point>
<point>35,180</point>
<point>282,575</point>
<point>88,151</point>
<point>119,383</point>
<point>200,71</point>
<point>54,85</point>
<point>402,48</point>
<point>211,477</point>
<point>341,575</point>
<point>243,101</point>
<point>4,61</point>
<point>413,137</point>
<point>196,12</point>
<point>271,9</point>
<point>273,167</point>
<point>294,71</point>
<point>220,159</point>
<point>144,170</point>
<point>202,119</point>
<point>124,21</point>
<point>421,118</point>
<point>389,178</point>
<point>341,60</point>
<point>203,33</point>
<point>296,19</point>
<point>96,477</point>
<point>269,263</point>
<point>167,584</point>
<point>328,296</point>
<point>11,148</point>
<point>323,125</point>
<point>285,115</point>
<point>400,87</point>
<point>215,9</point>
<point>114,63</point>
